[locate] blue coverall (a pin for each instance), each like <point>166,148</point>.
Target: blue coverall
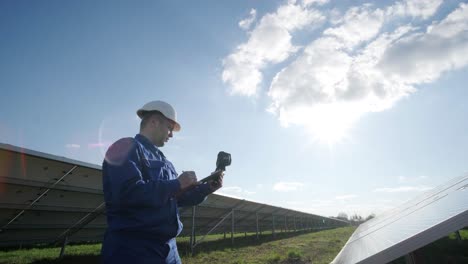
<point>140,187</point>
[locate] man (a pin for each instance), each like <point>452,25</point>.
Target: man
<point>142,191</point>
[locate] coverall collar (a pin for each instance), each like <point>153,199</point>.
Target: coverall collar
<point>147,143</point>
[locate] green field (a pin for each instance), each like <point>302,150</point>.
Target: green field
<point>284,248</point>
<point>310,247</point>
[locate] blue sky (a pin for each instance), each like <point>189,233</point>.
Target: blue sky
<point>326,106</point>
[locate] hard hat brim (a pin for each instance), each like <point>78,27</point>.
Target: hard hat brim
<point>141,113</point>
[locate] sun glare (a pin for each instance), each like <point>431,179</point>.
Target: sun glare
<point>327,123</point>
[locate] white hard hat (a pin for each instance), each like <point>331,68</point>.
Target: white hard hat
<point>164,108</point>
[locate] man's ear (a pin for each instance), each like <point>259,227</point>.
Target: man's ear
<point>155,121</point>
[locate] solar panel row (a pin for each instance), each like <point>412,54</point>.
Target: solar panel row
<point>45,199</point>
<point>410,226</point>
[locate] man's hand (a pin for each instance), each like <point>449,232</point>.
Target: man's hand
<point>216,184</point>
<point>187,179</point>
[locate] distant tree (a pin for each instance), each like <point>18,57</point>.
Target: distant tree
<point>342,216</point>
<point>356,219</point>
<point>369,217</point>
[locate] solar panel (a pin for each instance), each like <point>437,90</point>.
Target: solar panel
<point>410,226</point>
<point>46,198</point>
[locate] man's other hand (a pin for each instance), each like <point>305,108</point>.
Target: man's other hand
<point>218,183</point>
<point>187,179</point>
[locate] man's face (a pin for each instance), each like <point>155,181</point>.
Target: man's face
<point>162,131</point>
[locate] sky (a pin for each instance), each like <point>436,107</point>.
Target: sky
<point>325,106</point>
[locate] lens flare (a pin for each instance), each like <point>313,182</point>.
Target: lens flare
<point>23,164</point>
<point>5,166</point>
<point>113,128</point>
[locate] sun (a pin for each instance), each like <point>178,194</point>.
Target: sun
<point>331,123</point>
<point>326,123</point>
<point>329,131</point>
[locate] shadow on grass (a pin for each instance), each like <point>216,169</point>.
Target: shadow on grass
<point>46,245</point>
<point>74,259</point>
<point>444,250</point>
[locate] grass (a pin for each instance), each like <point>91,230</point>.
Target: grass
<point>284,248</point>
<point>315,247</point>
<point>50,254</point>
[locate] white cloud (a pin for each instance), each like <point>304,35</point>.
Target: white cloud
<point>358,24</point>
<point>421,57</point>
<point>404,179</point>
<point>346,197</point>
<point>296,203</point>
<point>415,8</point>
<point>327,89</point>
<point>235,190</point>
<point>287,186</point>
<point>454,24</point>
<point>316,206</point>
<point>245,23</point>
<point>333,208</point>
<point>364,63</point>
<point>403,189</point>
<point>314,2</point>
<point>72,146</point>
<point>99,145</point>
<point>422,8</point>
<point>269,42</point>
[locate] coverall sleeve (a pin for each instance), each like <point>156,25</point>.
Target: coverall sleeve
<point>123,179</point>
<point>194,196</point>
